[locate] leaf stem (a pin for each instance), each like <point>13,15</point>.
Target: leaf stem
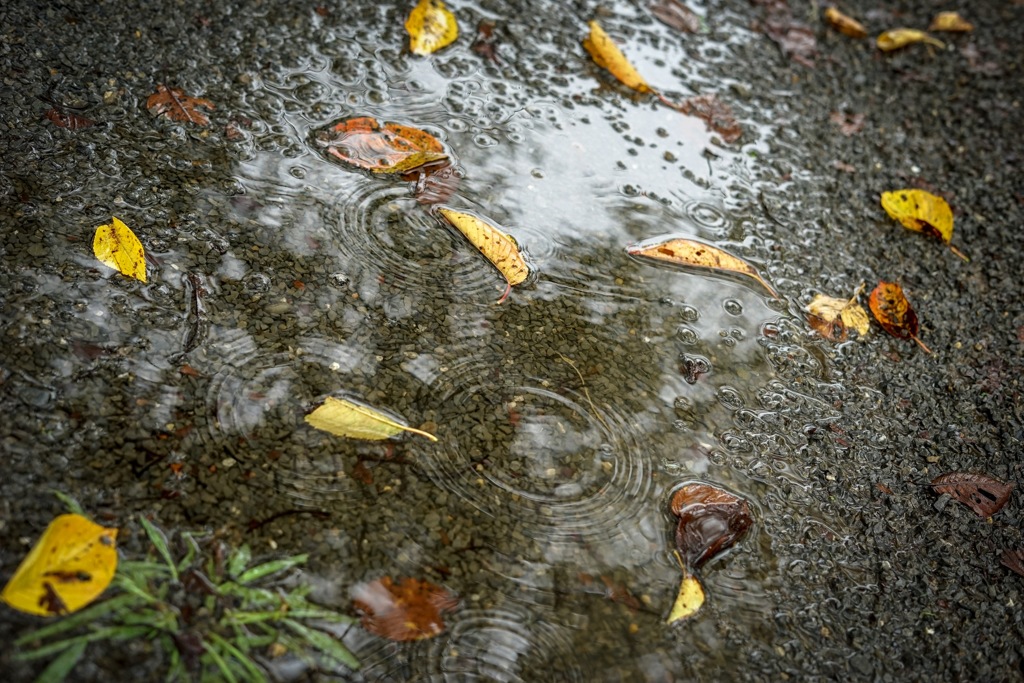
<point>920,343</point>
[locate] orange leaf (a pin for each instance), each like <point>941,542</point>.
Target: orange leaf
<point>408,610</point>
<point>848,26</point>
<point>695,254</point>
<point>177,106</point>
<point>980,492</point>
<point>894,313</point>
<point>389,148</point>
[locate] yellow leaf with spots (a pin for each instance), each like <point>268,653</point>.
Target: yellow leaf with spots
<point>832,317</point>
<point>431,26</point>
<point>115,245</point>
<point>499,247</point>
<point>342,417</point>
<point>694,254</point>
<point>688,600</point>
<point>68,568</point>
<point>922,211</point>
<point>607,55</point>
<point>901,37</point>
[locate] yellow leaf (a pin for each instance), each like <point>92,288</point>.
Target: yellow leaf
<point>66,569</point>
<point>115,245</point>
<point>922,211</point>
<point>694,254</point>
<point>951,22</point>
<point>342,417</point>
<point>608,56</point>
<point>431,26</point>
<point>689,599</point>
<point>901,37</point>
<point>844,24</point>
<point>848,312</point>
<point>499,247</point>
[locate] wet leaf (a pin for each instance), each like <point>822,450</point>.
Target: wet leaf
<point>950,22</point>
<point>849,124</point>
<point>796,40</point>
<point>607,55</point>
<point>716,114</point>
<point>693,254</point>
<point>408,610</point>
<point>390,148</point>
<point>980,492</point>
<point>499,247</point>
<point>177,106</point>
<point>1013,559</point>
<point>431,26</point>
<point>485,44</point>
<point>894,313</point>
<point>711,520</point>
<point>65,119</point>
<point>922,211</point>
<point>901,37</point>
<point>675,14</point>
<point>69,566</point>
<point>848,26</point>
<point>342,417</point>
<point>688,600</point>
<point>115,245</point>
<point>838,315</point>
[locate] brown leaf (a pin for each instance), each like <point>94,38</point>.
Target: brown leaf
<point>675,14</point>
<point>390,148</point>
<point>796,40</point>
<point>177,106</point>
<point>66,119</point>
<point>980,492</point>
<point>485,44</point>
<point>717,114</point>
<point>893,312</point>
<point>1013,559</point>
<point>849,124</point>
<point>710,520</point>
<point>408,610</point>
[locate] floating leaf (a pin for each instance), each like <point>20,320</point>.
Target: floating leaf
<point>711,520</point>
<point>177,106</point>
<point>694,254</point>
<point>922,211</point>
<point>387,147</point>
<point>848,26</point>
<point>69,567</point>
<point>715,113</point>
<point>499,247</point>
<point>894,313</point>
<point>431,26</point>
<point>980,492</point>
<point>607,55</point>
<point>688,600</point>
<point>115,245</point>
<point>837,315</point>
<point>675,14</point>
<point>1013,559</point>
<point>950,22</point>
<point>342,417</point>
<point>408,610</point>
<point>901,37</point>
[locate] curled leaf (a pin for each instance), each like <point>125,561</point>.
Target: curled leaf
<point>499,247</point>
<point>607,55</point>
<point>431,26</point>
<point>688,600</point>
<point>980,492</point>
<point>177,106</point>
<point>408,610</point>
<point>69,566</point>
<point>894,313</point>
<point>837,315</point>
<point>342,417</point>
<point>711,520</point>
<point>848,26</point>
<point>389,148</point>
<point>901,37</point>
<point>694,254</point>
<point>115,245</point>
<point>951,22</point>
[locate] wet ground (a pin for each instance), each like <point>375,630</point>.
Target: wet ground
<point>567,414</point>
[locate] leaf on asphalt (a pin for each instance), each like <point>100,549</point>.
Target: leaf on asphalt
<point>980,492</point>
<point>390,148</point>
<point>831,317</point>
<point>894,313</point>
<point>66,119</point>
<point>716,114</point>
<point>499,247</point>
<point>951,22</point>
<point>848,26</point>
<point>711,520</point>
<point>922,211</point>
<point>115,245</point>
<point>675,14</point>
<point>849,124</point>
<point>431,26</point>
<point>796,40</point>
<point>688,600</point>
<point>69,566</point>
<point>607,55</point>
<point>408,610</point>
<point>177,106</point>
<point>343,417</point>
<point>901,37</point>
<point>693,254</point>
<point>1013,559</point>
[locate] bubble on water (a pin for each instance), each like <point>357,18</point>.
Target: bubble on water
<point>732,307</point>
<point>687,335</point>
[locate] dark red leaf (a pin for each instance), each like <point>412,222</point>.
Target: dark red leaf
<point>65,119</point>
<point>485,44</point>
<point>711,520</point>
<point>1014,559</point>
<point>980,492</point>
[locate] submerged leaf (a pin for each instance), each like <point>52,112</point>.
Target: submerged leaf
<point>688,600</point>
<point>980,492</point>
<point>607,55</point>
<point>69,566</point>
<point>694,254</point>
<point>922,211</point>
<point>390,148</point>
<point>177,106</point>
<point>951,22</point>
<point>342,417</point>
<point>115,245</point>
<point>848,26</point>
<point>408,610</point>
<point>894,313</point>
<point>901,37</point>
<point>431,26</point>
<point>711,520</point>
<point>715,113</point>
<point>499,247</point>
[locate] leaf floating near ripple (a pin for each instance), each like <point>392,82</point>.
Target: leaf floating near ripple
<point>115,245</point>
<point>387,148</point>
<point>984,494</point>
<point>431,26</point>
<point>499,247</point>
<point>694,254</point>
<point>177,106</point>
<point>409,609</point>
<point>342,417</point>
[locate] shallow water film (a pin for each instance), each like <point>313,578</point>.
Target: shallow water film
<point>566,411</point>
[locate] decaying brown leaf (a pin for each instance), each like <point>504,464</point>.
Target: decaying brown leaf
<point>388,148</point>
<point>716,114</point>
<point>849,124</point>
<point>675,14</point>
<point>848,26</point>
<point>901,37</point>
<point>951,22</point>
<point>1013,559</point>
<point>66,119</point>
<point>980,492</point>
<point>831,317</point>
<point>410,609</point>
<point>894,313</point>
<point>711,520</point>
<point>485,44</point>
<point>694,254</point>
<point>177,106</point>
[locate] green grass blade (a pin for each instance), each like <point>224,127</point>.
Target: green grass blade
<point>229,675</point>
<point>239,560</point>
<point>112,632</point>
<point>253,672</point>
<point>70,503</point>
<point>57,670</point>
<point>87,615</point>
<point>299,613</point>
<point>268,568</point>
<point>323,642</point>
<point>190,554</point>
<point>159,541</point>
